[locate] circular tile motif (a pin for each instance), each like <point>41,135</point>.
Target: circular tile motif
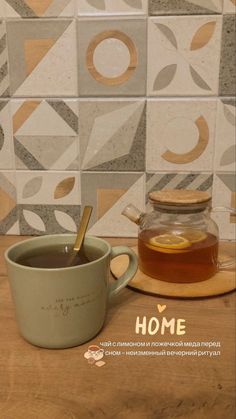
<point>111,58</point>
<point>127,44</point>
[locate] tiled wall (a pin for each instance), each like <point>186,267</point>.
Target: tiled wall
<point>105,100</point>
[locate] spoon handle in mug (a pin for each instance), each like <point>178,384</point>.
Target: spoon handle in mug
<point>83,227</point>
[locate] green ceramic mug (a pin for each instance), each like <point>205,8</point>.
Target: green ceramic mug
<point>64,307</point>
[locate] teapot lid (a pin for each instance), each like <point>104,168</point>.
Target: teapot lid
<point>179,197</point>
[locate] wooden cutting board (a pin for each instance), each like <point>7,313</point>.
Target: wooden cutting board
<point>221,283</point>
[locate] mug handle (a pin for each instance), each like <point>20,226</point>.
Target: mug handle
<point>121,282</point>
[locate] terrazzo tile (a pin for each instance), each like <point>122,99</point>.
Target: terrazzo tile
<point>48,219</point>
<point>225,147</point>
<point>107,7</point>
<point>6,143</point>
<point>112,135</point>
<point>36,8</point>
<point>109,193</point>
<point>184,7</point>
<point>180,134</point>
<point>48,202</point>
<point>42,57</point>
<point>224,195</point>
<point>228,61</point>
<point>45,134</point>
<point>4,65</point>
<point>229,6</point>
<point>8,208</point>
<point>112,57</point>
<point>183,55</point>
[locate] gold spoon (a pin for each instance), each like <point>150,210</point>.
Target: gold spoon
<point>78,249</point>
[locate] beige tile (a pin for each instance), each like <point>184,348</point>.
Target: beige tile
<point>180,134</point>
<point>183,55</point>
<point>42,57</point>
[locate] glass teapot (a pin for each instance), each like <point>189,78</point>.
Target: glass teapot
<point>177,241</point>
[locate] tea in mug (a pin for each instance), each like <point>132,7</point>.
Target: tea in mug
<point>185,256</point>
<point>58,256</point>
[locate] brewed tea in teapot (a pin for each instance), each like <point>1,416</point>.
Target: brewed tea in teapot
<point>178,241</point>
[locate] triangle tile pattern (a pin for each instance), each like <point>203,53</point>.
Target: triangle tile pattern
<point>41,152</point>
<point>112,222</point>
<point>21,8</point>
<point>35,50</point>
<point>182,7</point>
<point>45,135</point>
<point>27,158</point>
<point>66,113</point>
<point>23,113</point>
<point>39,6</point>
<point>107,198</point>
<point>229,180</point>
<point>28,39</point>
<point>38,118</point>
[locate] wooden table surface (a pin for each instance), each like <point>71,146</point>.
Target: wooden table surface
<point>37,383</point>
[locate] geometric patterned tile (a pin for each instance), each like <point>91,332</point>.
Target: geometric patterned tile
<point>229,6</point>
<point>48,219</point>
<point>42,57</point>
<point>183,55</point>
<point>45,134</point>
<point>112,57</point>
<point>6,143</point>
<point>227,62</point>
<point>224,194</point>
<point>180,134</point>
<point>36,8</point>
<point>225,146</point>
<point>112,135</point>
<point>109,193</point>
<point>49,188</point>
<point>184,7</point>
<point>8,207</point>
<point>107,7</point>
<point>4,72</point>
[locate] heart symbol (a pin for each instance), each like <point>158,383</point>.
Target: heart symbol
<point>161,308</point>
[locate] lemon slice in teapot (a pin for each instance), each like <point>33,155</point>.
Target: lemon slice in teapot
<point>170,241</point>
<point>193,235</point>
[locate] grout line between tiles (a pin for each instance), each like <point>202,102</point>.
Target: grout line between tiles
<point>123,98</point>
